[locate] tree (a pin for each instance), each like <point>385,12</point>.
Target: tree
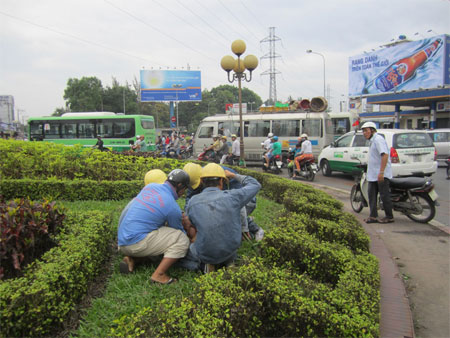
<point>84,94</point>
<point>119,98</point>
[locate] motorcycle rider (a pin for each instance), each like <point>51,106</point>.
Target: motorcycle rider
<point>225,150</point>
<point>305,152</point>
<point>215,147</point>
<point>379,173</point>
<point>273,151</point>
<point>267,143</point>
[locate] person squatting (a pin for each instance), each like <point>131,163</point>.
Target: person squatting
<point>205,236</point>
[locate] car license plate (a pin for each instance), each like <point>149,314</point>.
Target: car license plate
<point>417,158</point>
<point>433,195</point>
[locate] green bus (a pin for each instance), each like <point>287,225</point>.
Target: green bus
<point>118,131</point>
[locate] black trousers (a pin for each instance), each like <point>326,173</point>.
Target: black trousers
<point>385,195</point>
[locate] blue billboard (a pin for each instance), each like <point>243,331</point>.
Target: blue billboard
<point>405,66</point>
<point>170,85</point>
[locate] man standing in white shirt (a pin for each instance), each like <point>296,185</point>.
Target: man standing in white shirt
<point>267,143</point>
<point>378,174</point>
<point>235,148</point>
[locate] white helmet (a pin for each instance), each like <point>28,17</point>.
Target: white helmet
<point>270,135</point>
<point>304,135</point>
<point>369,125</point>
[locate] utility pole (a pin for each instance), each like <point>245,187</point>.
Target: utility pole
<point>272,55</point>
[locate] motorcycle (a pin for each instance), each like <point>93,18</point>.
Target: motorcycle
<point>412,196</point>
<point>186,152</point>
<point>208,156</point>
<point>308,168</point>
<point>170,152</point>
<point>275,164</point>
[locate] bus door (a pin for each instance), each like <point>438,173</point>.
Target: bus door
<point>203,137</point>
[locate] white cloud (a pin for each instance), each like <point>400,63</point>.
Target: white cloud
<point>44,43</point>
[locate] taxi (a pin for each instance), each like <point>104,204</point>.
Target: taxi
<point>412,153</point>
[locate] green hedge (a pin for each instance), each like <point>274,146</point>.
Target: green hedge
<point>262,300</point>
<point>43,160</point>
<point>70,190</point>
<point>315,276</point>
<point>36,304</point>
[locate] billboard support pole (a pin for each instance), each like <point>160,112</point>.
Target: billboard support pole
<point>172,124</point>
<point>397,117</point>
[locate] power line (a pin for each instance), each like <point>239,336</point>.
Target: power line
<point>77,38</point>
<point>237,19</point>
<point>206,23</point>
<point>252,14</point>
<point>186,21</point>
<point>158,30</point>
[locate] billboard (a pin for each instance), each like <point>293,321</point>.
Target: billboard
<point>170,85</point>
<point>406,66</point>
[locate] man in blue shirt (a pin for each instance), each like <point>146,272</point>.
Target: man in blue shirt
<point>216,215</point>
<point>142,232</point>
<point>378,174</point>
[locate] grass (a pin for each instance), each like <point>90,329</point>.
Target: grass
<point>127,294</point>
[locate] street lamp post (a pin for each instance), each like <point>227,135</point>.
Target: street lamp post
<point>238,66</point>
<point>309,51</point>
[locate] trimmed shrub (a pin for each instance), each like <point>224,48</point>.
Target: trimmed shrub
<point>70,190</point>
<point>36,304</point>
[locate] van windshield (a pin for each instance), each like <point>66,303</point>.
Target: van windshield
<point>412,140</point>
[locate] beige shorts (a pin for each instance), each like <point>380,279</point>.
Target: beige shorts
<point>165,241</point>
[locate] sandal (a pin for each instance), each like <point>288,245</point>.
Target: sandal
<point>386,220</point>
<point>170,281</point>
<point>371,220</point>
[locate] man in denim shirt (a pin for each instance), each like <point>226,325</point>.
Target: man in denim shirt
<point>216,215</point>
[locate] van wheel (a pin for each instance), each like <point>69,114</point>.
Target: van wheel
<point>325,166</point>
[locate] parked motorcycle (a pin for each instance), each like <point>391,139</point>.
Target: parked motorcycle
<point>275,164</point>
<point>308,168</point>
<point>413,196</point>
<point>170,152</point>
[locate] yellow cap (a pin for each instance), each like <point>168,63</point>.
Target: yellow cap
<point>155,176</point>
<point>213,170</point>
<point>194,171</point>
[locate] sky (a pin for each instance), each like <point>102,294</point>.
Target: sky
<point>44,43</point>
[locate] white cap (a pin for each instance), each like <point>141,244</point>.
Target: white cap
<point>369,125</point>
<point>270,135</point>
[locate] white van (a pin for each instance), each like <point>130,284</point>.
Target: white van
<point>441,140</point>
<point>412,153</point>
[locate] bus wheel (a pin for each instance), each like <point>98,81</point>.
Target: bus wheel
<point>325,166</point>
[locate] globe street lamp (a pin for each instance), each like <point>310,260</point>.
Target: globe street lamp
<point>309,51</point>
<point>238,66</point>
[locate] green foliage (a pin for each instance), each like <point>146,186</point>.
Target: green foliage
<point>37,303</point>
<point>26,232</point>
<point>41,160</point>
<point>254,300</point>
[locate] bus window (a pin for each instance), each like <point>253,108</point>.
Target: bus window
<point>104,128</point>
<point>86,130</point>
<point>206,132</point>
<point>51,130</point>
<point>226,128</point>
<point>124,128</point>
<point>312,127</point>
<point>338,125</point>
<point>286,128</point>
<point>36,129</point>
<point>147,124</point>
<point>68,129</point>
<point>258,128</point>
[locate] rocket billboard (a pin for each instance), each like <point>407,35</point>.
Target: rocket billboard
<point>407,66</point>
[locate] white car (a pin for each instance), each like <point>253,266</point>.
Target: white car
<point>412,153</point>
<point>441,140</point>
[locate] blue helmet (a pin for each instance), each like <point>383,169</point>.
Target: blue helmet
<point>275,138</point>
